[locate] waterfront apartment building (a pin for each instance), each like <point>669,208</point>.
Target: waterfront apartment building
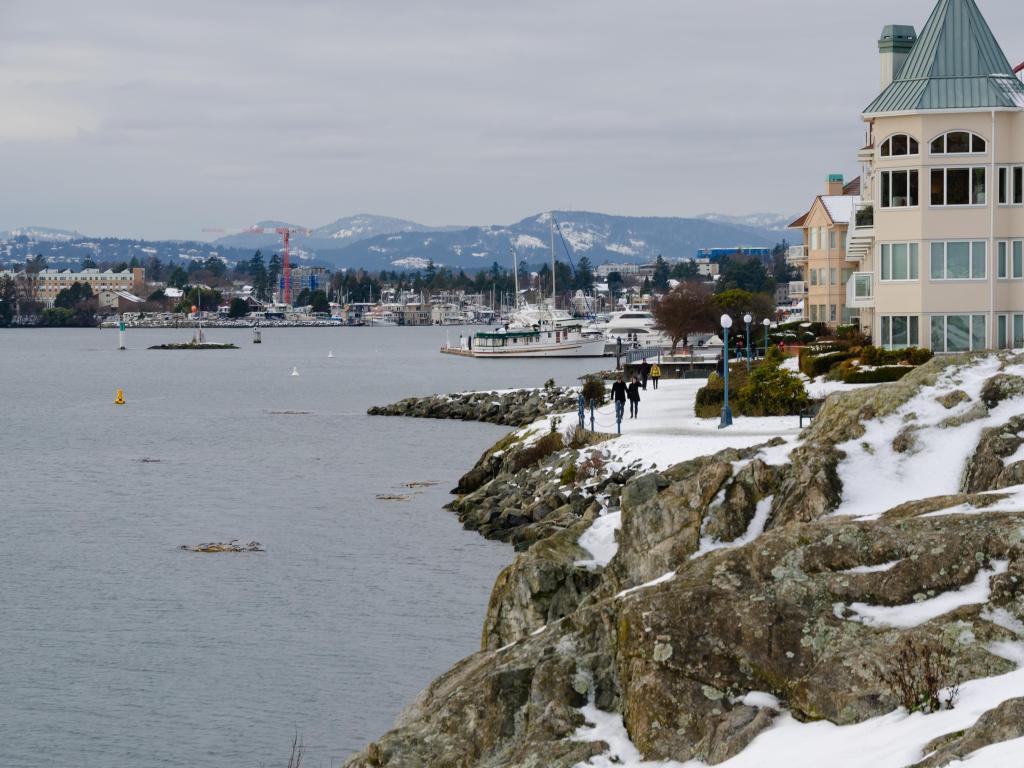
<point>938,239</point>
<point>822,259</point>
<point>47,283</point>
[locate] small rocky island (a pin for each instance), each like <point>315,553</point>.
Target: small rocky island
<point>874,562</point>
<point>195,345</point>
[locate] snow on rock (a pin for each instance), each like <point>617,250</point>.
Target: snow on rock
<point>918,613</point>
<point>599,540</point>
<point>755,529</point>
<point>873,568</point>
<point>935,467</point>
<point>653,583</point>
<point>895,740</point>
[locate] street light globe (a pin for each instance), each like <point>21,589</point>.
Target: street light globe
<point>726,322</point>
<point>748,319</point>
<point>766,322</point>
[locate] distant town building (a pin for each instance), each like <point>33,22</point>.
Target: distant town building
<point>623,269</point>
<point>307,278</point>
<point>717,254</point>
<point>47,283</point>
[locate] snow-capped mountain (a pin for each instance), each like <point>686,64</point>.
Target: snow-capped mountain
<point>599,237</point>
<point>380,242</point>
<point>773,222</point>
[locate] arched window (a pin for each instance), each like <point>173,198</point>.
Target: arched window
<point>959,143</point>
<point>899,145</point>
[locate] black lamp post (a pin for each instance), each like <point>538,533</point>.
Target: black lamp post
<point>726,410</point>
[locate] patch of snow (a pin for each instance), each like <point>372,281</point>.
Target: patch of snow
<point>755,529</point>
<point>761,700</point>
<point>1003,618</point>
<point>916,614</point>
<point>660,580</point>
<point>526,242</point>
<point>599,540</point>
<point>873,568</point>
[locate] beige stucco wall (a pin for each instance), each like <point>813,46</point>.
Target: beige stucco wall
<point>825,257</point>
<point>925,224</point>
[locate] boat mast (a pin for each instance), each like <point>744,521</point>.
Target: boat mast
<point>553,288</point>
<point>515,273</point>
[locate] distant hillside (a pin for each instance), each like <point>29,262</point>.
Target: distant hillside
<point>333,236</point>
<point>598,236</point>
<point>379,242</point>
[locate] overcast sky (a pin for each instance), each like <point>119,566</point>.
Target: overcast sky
<point>140,118</point>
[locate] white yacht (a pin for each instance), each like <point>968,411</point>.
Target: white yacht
<point>635,326</point>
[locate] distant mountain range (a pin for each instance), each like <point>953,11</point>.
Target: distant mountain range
<point>380,242</point>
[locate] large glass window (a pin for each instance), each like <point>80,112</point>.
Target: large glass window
<point>958,186</point>
<point>958,333</point>
<point>900,331</point>
<point>900,189</point>
<point>1011,185</point>
<point>958,260</point>
<point>899,145</point>
<point>1010,260</point>
<point>958,143</point>
<point>900,261</point>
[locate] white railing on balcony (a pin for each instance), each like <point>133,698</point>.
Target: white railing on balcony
<point>797,254</point>
<point>798,288</point>
<point>860,290</point>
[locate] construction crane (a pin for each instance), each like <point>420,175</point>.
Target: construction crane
<point>286,236</point>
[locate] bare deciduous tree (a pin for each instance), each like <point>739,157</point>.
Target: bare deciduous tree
<point>686,309</point>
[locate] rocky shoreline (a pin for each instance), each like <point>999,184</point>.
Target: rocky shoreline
<point>732,594</point>
<point>516,408</point>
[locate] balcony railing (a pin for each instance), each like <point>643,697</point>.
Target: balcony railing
<point>797,289</point>
<point>797,254</point>
<point>860,290</point>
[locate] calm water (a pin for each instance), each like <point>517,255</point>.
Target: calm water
<point>118,649</point>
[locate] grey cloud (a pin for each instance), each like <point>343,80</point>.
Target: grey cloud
<point>153,119</point>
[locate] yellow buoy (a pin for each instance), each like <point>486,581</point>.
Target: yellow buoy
<point>119,400</point>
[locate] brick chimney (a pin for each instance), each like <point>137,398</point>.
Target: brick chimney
<point>834,185</point>
<point>895,45</point>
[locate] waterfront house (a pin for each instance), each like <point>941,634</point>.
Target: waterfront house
<point>938,239</point>
<point>823,261</point>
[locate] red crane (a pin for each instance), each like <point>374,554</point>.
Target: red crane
<point>286,266</point>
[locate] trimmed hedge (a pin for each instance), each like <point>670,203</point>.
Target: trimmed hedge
<point>814,364</point>
<point>880,375</point>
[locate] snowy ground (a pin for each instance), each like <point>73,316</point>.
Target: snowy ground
<point>668,433</point>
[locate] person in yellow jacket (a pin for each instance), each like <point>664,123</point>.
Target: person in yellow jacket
<point>655,375</point>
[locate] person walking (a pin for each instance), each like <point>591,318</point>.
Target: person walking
<point>619,390</point>
<point>655,375</point>
<point>645,371</point>
<point>633,391</point>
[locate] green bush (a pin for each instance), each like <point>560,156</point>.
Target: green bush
<point>569,474</point>
<point>768,390</point>
<point>772,391</point>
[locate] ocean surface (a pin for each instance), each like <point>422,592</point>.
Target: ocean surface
<point>118,649</point>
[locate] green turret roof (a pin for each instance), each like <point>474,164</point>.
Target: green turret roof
<point>956,63</point>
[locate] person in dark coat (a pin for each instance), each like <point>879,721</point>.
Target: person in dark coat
<point>619,390</point>
<point>633,391</point>
<point>645,372</point>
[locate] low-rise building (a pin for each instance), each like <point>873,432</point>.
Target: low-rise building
<point>823,261</point>
<point>47,283</point>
